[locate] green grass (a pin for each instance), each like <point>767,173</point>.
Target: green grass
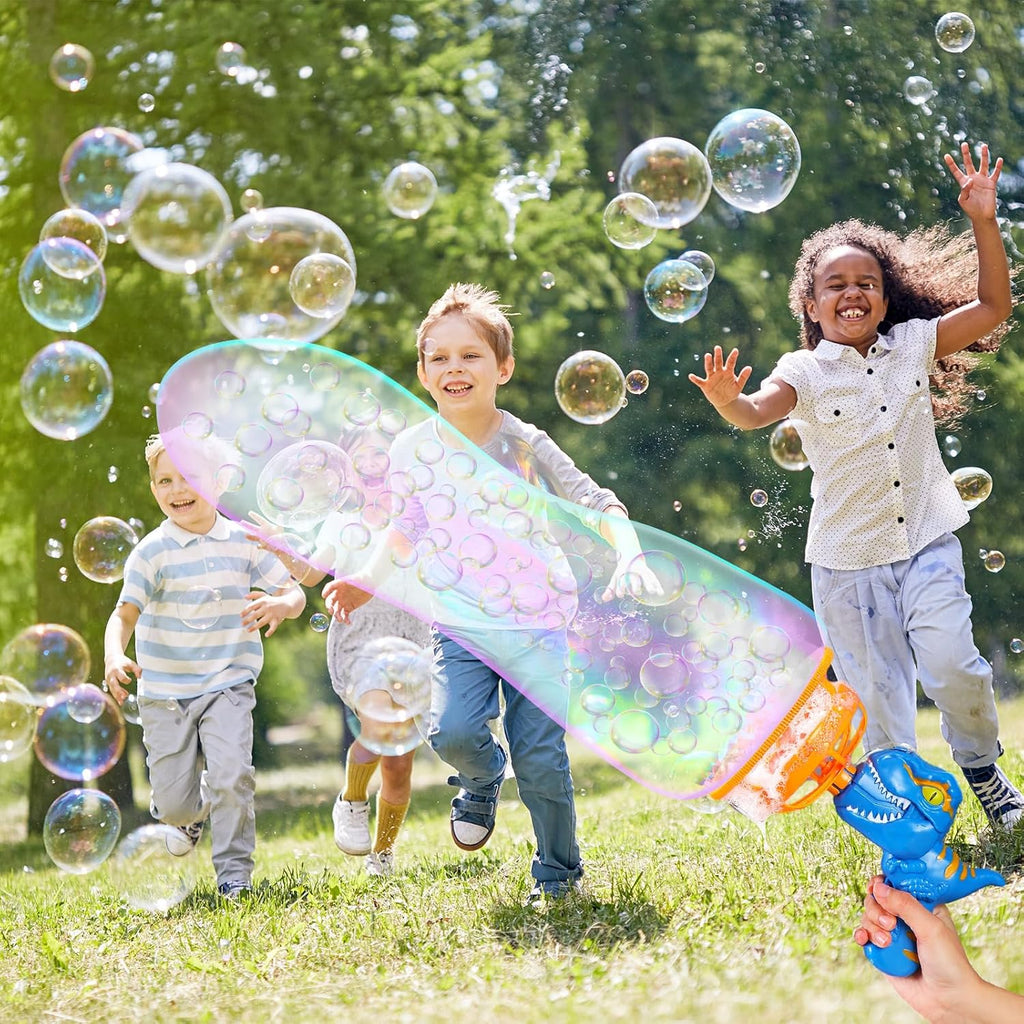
<point>684,917</point>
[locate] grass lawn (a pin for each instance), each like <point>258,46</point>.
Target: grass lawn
<point>684,917</point>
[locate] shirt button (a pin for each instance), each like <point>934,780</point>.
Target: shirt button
<point>870,370</point>
<point>899,519</point>
<point>884,408</point>
<point>895,483</point>
<point>835,412</point>
<point>891,445</point>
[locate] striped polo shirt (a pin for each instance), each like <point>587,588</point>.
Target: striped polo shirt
<point>190,589</point>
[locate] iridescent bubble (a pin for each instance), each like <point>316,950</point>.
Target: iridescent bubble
<point>672,173</point>
<point>664,676</point>
<point>918,90</point>
<point>85,703</point>
<point>64,299</point>
<point>954,32</point>
<point>253,440</point>
<point>229,384</point>
<point>634,731</point>
<point>630,220</point>
<point>590,387</point>
<point>147,875</point>
<point>319,623</point>
<point>597,699</point>
<point>66,390</point>
<point>231,59</point>
<point>754,158</point>
<point>410,190</point>
<point>637,382</point>
<point>176,214</point>
<point>73,749</point>
<point>96,169</point>
<point>46,659</point>
<point>303,483</point>
<point>252,199</point>
<point>19,713</point>
<point>1017,645</point>
<point>675,291</point>
<point>702,261</point>
<point>994,561</point>
<point>78,224</point>
<point>80,829</point>
<point>130,710</point>
<point>322,285</point>
<point>973,483</point>
<point>250,276</point>
<point>101,548</point>
<point>547,280</point>
<point>786,447</point>
<point>390,692</point>
<point>71,67</point>
<point>758,498</point>
<point>199,607</point>
<point>146,102</point>
<point>951,445</point>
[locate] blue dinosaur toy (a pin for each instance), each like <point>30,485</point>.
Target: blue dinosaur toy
<point>906,806</point>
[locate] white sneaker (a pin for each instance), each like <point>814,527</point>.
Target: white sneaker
<point>381,864</point>
<point>181,839</point>
<point>352,826</point>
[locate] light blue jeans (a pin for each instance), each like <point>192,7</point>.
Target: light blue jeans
<point>199,753</point>
<point>891,625</point>
<point>465,699</point>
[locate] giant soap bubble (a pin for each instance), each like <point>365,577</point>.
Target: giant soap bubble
<point>66,390</point>
<point>249,278</point>
<point>176,214</point>
<point>80,829</point>
<point>75,745</point>
<point>147,875</point>
<point>590,387</point>
<point>755,159</point>
<point>62,284</point>
<point>46,659</point>
<point>102,546</point>
<point>670,663</point>
<point>673,174</point>
<point>96,169</point>
<point>18,715</point>
<point>675,290</point>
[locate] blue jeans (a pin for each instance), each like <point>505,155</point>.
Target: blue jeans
<point>891,625</point>
<point>465,699</point>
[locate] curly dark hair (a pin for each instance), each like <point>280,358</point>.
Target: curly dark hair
<point>924,274</point>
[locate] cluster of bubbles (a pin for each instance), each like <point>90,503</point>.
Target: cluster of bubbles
<point>511,190</point>
<point>994,561</point>
<point>590,387</point>
<point>389,691</point>
<point>973,484</point>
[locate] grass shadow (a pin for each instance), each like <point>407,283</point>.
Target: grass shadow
<point>582,922</point>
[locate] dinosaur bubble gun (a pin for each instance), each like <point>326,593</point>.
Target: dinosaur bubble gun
<point>894,797</point>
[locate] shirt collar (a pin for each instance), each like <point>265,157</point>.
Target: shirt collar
<point>830,350</point>
<point>219,531</point>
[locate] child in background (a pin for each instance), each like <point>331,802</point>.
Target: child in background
<point>190,597</point>
<point>465,354</point>
<point>887,576</point>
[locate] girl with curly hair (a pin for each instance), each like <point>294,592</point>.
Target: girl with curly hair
<point>883,316</point>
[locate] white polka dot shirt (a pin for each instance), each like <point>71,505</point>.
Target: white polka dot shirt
<point>880,491</point>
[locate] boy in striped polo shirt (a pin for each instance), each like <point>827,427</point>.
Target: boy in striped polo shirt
<point>196,594</point>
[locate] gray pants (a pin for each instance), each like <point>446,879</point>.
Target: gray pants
<point>199,755</point>
<point>891,625</point>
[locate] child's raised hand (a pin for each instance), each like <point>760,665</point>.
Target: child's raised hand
<point>342,598</point>
<point>977,187</point>
<point>263,610</point>
<point>721,384</point>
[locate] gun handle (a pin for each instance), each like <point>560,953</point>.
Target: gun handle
<point>899,958</point>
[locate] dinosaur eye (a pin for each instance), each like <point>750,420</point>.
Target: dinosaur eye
<point>932,794</point>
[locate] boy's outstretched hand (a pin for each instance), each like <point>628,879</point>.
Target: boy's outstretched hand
<point>977,187</point>
<point>342,598</point>
<point>721,384</point>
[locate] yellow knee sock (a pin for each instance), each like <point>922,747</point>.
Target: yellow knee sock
<point>357,778</point>
<point>389,821</point>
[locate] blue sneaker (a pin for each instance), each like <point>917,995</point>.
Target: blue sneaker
<point>473,815</point>
<point>999,798</point>
<point>233,890</point>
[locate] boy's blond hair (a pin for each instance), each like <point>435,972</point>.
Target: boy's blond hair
<point>154,446</point>
<point>481,307</point>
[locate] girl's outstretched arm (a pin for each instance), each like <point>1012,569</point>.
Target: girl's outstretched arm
<point>961,327</point>
<point>723,388</point>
